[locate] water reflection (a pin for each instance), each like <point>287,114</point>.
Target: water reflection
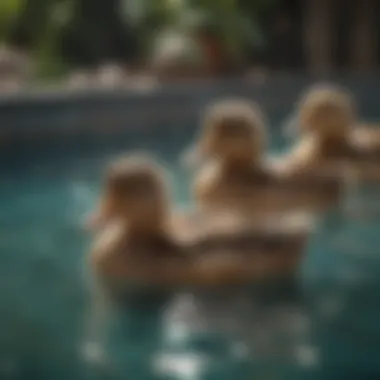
<point>212,335</point>
<point>244,330</point>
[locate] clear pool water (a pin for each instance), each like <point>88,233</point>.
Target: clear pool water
<point>325,327</point>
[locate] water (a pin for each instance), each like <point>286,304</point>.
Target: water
<point>324,327</point>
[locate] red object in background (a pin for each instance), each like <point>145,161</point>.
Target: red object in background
<point>214,53</point>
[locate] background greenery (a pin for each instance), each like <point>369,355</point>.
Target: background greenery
<point>62,34</point>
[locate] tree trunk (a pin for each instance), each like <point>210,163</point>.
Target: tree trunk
<point>363,38</point>
<point>318,35</point>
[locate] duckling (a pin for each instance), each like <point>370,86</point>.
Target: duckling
<point>326,116</point>
<point>231,147</point>
<point>135,237</point>
<point>317,166</point>
<point>332,145</point>
<point>330,132</point>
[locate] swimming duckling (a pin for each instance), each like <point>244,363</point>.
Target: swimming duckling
<point>333,145</point>
<point>330,133</point>
<point>231,145</point>
<point>325,120</point>
<point>135,238</point>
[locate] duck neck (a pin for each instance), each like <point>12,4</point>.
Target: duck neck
<point>147,226</point>
<point>240,164</point>
<point>331,145</point>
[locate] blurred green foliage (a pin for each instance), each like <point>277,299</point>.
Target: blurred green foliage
<point>9,9</point>
<point>65,33</point>
<point>235,22</point>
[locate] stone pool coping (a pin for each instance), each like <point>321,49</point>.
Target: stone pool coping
<point>38,114</point>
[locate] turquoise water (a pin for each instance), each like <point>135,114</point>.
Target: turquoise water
<point>324,327</point>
